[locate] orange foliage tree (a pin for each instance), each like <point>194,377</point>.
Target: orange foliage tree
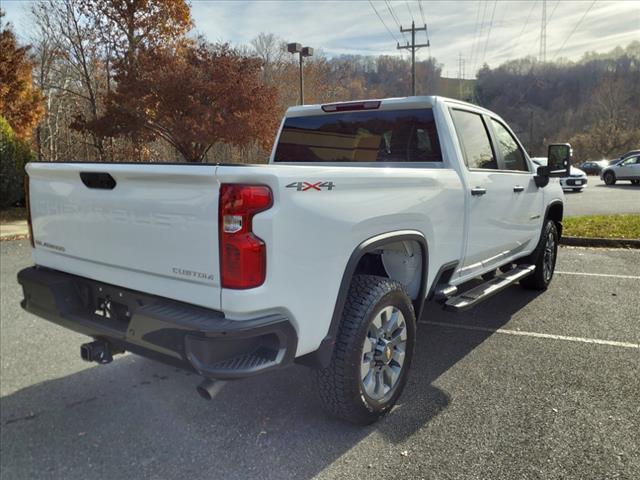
<point>124,29</point>
<point>194,95</point>
<point>20,103</point>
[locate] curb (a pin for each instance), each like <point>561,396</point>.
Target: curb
<point>600,242</point>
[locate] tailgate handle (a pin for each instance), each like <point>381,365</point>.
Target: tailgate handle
<point>101,180</point>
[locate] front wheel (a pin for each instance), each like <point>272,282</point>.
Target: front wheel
<point>609,178</point>
<point>544,258</point>
<point>372,354</point>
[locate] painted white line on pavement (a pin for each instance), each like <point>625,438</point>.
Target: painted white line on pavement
<point>634,277</point>
<point>536,335</point>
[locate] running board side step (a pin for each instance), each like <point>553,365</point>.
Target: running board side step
<point>488,289</point>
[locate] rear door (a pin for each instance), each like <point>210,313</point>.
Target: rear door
<point>489,237</point>
<point>148,227</point>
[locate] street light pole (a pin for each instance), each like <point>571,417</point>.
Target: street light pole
<point>301,81</point>
<point>302,52</point>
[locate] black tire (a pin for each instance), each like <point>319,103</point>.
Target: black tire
<point>541,277</point>
<point>340,385</point>
<point>577,189</point>
<point>635,182</point>
<point>609,178</point>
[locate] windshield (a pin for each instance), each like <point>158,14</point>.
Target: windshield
<point>371,136</point>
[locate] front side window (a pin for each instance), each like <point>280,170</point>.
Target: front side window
<point>474,140</point>
<point>371,136</point>
<point>512,154</point>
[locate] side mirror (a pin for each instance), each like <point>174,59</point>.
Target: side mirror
<point>542,176</point>
<point>559,159</point>
<point>558,164</point>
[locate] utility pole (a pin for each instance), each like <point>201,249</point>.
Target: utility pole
<point>531,130</point>
<point>413,47</point>
<point>460,76</point>
<point>543,34</point>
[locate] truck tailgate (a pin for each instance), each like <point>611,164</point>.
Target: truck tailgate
<point>155,230</point>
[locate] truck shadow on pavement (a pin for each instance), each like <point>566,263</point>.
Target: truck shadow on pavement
<point>143,418</point>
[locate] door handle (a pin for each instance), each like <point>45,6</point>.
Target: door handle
<point>478,191</point>
<point>518,188</point>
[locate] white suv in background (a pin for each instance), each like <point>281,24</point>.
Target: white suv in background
<point>576,181</point>
<point>627,169</point>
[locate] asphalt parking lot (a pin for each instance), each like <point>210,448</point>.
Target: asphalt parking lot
<point>601,199</point>
<point>525,386</point>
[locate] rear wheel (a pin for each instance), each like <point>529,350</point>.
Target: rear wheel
<point>372,354</point>
<point>577,189</point>
<point>544,258</point>
<point>609,178</point>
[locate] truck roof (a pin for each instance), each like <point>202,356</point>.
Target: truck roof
<point>392,103</point>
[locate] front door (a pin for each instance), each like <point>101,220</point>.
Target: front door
<point>629,169</point>
<point>524,198</point>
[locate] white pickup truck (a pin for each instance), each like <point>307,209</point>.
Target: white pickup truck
<point>324,257</point>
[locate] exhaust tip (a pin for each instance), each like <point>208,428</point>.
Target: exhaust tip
<point>203,392</point>
<point>209,388</point>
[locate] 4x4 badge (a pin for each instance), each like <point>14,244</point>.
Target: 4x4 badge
<point>304,186</point>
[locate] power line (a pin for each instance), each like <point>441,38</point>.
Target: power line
<point>526,23</point>
<point>486,44</point>
<point>385,25</point>
<point>395,17</point>
<point>421,11</point>
<point>542,56</point>
<point>475,30</point>
<point>553,11</point>
<point>574,29</point>
<point>410,12</point>
<point>426,26</point>
<point>476,43</point>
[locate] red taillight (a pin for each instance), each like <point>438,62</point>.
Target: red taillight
<point>28,208</point>
<point>243,256</point>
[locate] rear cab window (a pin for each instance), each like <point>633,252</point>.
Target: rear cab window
<point>385,136</point>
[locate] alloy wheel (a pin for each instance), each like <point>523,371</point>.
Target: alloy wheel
<point>549,257</point>
<point>383,353</point>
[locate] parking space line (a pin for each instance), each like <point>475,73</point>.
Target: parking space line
<point>634,277</point>
<point>505,331</point>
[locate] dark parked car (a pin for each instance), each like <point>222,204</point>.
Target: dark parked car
<point>594,168</point>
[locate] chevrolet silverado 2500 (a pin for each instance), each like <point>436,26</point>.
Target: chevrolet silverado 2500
<point>324,257</point>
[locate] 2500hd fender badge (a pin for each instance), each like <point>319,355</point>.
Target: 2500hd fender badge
<point>304,186</point>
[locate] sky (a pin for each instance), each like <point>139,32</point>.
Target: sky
<point>482,31</point>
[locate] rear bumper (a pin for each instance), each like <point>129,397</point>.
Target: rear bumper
<point>169,331</point>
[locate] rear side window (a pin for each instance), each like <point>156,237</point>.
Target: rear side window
<point>474,140</point>
<point>372,136</point>
<point>512,154</point>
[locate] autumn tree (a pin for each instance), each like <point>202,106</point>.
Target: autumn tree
<point>196,94</point>
<point>20,103</point>
<point>126,28</point>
